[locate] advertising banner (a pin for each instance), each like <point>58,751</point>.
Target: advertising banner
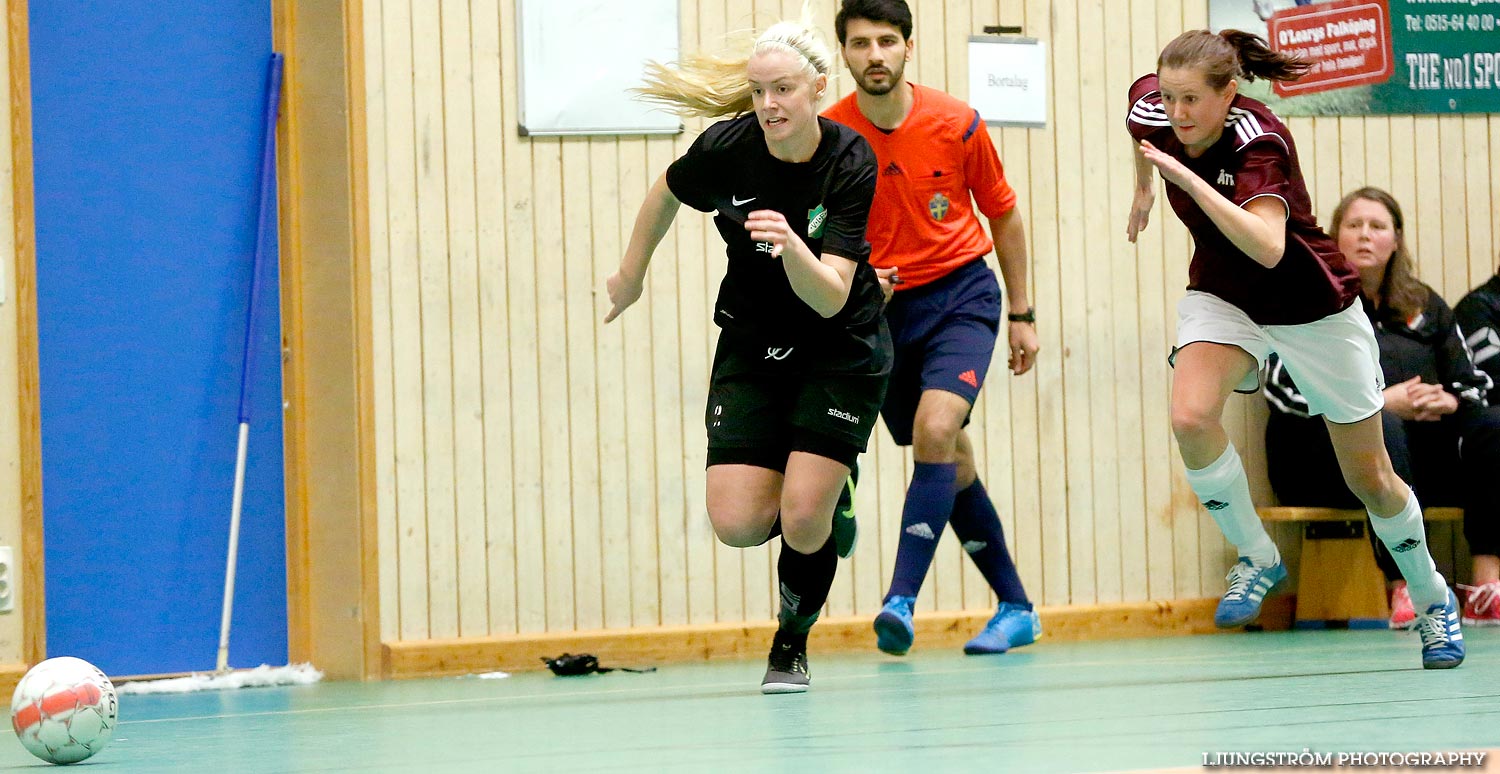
<point>1376,56</point>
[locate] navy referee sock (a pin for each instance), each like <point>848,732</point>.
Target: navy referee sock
<point>976,524</point>
<point>929,503</point>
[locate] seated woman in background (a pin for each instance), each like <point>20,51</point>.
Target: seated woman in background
<point>1439,431</point>
<point>1479,318</point>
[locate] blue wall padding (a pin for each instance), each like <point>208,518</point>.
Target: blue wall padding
<point>147,136</point>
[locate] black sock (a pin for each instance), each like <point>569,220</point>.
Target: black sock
<point>805,581</point>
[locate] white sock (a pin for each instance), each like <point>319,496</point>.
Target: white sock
<point>1225,492</point>
<point>1407,540</point>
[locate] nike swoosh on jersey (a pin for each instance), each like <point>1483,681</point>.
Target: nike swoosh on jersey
<point>737,202</point>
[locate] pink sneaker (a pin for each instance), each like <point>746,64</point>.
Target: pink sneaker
<point>1403,615</point>
<point>1483,605</point>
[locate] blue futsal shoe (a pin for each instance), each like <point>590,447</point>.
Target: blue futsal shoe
<point>845,528</point>
<point>893,628</point>
<point>1442,640</point>
<point>1248,587</point>
<point>1011,627</point>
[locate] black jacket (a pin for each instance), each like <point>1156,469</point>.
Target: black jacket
<point>1479,318</point>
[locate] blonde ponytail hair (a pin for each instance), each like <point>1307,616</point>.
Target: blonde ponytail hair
<point>712,86</point>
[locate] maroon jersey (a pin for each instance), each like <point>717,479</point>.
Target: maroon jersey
<point>1255,157</point>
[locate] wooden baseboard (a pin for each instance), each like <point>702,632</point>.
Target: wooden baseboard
<point>668,644</point>
<point>10,674</point>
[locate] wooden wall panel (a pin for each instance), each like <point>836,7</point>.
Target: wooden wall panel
<point>461,189</point>
<point>498,403</point>
<point>1120,558</point>
<point>640,436</point>
<point>613,544</point>
<point>434,296</point>
<point>22,635</point>
<point>582,391</point>
<point>539,471</point>
<point>404,321</point>
<point>381,339</point>
<point>1048,268</point>
<point>517,280</point>
<point>696,238</point>
<point>1156,323</point>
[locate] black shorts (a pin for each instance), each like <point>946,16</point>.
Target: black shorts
<point>767,399</point>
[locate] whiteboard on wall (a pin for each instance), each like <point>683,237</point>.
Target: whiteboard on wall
<point>579,58</point>
<point>1008,80</point>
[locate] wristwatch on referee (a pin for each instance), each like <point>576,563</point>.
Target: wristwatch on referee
<point>1028,316</point>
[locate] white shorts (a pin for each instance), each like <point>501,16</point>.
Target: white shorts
<point>1335,361</point>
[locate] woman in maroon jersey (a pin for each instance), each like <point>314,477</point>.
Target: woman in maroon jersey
<point>1265,278</point>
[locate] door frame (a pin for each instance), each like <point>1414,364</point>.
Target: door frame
<point>32,599</point>
<point>333,597</point>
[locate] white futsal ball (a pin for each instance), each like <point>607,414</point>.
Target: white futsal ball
<point>64,710</point>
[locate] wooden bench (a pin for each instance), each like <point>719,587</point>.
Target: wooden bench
<point>1338,580</point>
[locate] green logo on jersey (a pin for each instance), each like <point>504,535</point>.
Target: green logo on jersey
<point>816,217</point>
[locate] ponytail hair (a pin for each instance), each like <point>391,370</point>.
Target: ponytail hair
<point>1230,54</point>
<point>702,85</point>
<point>710,86</point>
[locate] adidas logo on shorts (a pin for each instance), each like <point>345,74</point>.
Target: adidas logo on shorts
<point>1406,545</point>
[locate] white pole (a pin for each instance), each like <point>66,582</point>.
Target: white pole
<point>234,547</point>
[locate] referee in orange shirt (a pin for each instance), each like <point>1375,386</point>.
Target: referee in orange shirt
<point>936,163</point>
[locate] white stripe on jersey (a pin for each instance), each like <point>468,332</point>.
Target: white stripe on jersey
<point>1247,127</point>
<point>1241,114</point>
<point>1149,114</point>
<point>1148,111</point>
<point>1145,105</point>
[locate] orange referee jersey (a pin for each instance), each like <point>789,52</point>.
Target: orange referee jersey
<point>923,220</point>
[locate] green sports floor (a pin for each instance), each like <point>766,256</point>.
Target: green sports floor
<point>1123,705</point>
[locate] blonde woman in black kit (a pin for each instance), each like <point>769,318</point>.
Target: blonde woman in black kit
<point>1265,278</point>
<point>804,354</point>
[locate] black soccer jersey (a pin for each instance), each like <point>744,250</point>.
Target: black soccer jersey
<point>825,200</point>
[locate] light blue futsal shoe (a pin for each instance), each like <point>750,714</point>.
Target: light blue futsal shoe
<point>893,627</point>
<point>1011,627</point>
